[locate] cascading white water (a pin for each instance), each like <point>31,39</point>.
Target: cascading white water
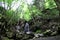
<point>27,29</point>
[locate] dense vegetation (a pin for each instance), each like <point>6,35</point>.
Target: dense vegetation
<point>42,16</point>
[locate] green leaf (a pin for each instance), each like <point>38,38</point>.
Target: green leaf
<point>50,4</point>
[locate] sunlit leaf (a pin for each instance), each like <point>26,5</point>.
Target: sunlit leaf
<point>50,4</point>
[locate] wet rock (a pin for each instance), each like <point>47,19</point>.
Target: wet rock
<point>54,33</point>
<point>47,38</point>
<point>38,35</point>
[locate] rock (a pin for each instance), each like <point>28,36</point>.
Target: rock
<point>5,38</point>
<point>9,34</point>
<point>54,33</point>
<point>38,35</point>
<point>47,38</point>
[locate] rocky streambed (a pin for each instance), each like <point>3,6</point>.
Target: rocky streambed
<point>48,38</point>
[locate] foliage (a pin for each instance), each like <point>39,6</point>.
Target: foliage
<point>26,11</point>
<point>50,4</point>
<point>41,16</point>
<point>50,14</point>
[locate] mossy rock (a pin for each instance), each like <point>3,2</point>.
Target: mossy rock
<point>5,38</point>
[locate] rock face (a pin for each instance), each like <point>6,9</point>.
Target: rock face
<point>47,38</point>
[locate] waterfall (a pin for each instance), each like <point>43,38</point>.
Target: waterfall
<point>26,29</point>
